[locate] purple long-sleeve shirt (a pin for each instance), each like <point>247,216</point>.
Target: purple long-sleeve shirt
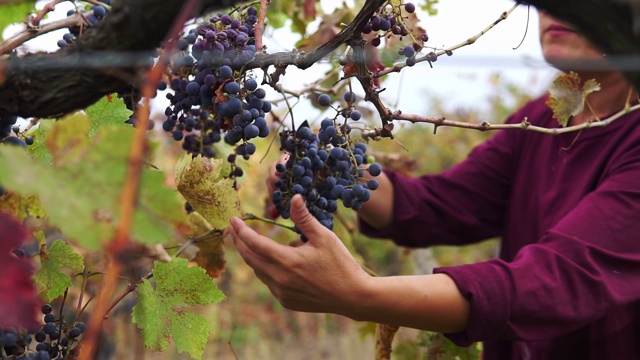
<point>567,282</point>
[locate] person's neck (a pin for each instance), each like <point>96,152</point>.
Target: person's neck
<point>613,96</point>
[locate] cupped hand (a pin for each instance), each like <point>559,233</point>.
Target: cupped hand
<point>319,276</point>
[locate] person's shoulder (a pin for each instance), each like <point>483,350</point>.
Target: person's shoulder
<point>535,111</point>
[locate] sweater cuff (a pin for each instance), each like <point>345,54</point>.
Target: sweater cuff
<point>484,285</point>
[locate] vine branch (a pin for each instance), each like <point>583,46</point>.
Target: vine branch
<point>31,32</point>
<point>523,125</point>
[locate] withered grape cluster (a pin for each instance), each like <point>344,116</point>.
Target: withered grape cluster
<point>325,168</point>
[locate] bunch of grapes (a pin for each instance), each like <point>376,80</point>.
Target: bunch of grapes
<point>325,168</point>
<point>54,340</point>
<point>387,21</point>
<point>93,16</point>
<point>211,101</point>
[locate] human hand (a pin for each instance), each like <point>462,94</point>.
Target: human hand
<point>318,276</point>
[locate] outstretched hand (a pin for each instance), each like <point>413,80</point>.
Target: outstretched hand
<point>319,276</point>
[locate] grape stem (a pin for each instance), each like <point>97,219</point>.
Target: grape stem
<point>250,216</point>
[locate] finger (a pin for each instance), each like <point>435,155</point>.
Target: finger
<point>308,225</point>
<point>247,255</point>
<point>261,246</point>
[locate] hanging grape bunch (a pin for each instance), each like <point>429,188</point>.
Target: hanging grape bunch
<point>211,101</point>
<point>93,16</point>
<point>54,340</point>
<point>388,21</point>
<point>325,168</point>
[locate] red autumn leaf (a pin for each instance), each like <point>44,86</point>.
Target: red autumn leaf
<point>18,301</point>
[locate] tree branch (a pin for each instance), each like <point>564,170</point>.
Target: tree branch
<point>42,85</point>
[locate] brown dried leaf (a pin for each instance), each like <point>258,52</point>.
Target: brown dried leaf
<point>567,96</point>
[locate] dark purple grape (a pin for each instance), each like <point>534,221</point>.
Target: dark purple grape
<point>375,169</point>
<point>350,97</point>
<point>324,100</point>
<point>409,7</point>
<point>251,84</point>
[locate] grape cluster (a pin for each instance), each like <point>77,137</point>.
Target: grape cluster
<point>324,168</point>
<point>54,340</point>
<point>211,102</point>
<point>387,21</point>
<point>96,13</point>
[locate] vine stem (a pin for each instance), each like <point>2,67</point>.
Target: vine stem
<point>268,221</point>
<point>31,31</point>
<point>130,189</point>
<point>258,30</point>
<point>50,6</point>
<point>523,125</point>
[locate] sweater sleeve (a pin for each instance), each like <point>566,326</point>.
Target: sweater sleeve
<point>582,268</point>
<point>462,205</point>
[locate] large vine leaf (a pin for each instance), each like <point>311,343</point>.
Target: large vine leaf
<point>200,180</point>
<point>18,300</point>
<point>15,13</point>
<point>161,314</point>
<point>81,192</point>
<point>568,95</point>
<point>53,261</point>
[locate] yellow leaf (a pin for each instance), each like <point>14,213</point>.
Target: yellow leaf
<point>68,138</point>
<point>201,183</point>
<point>568,94</point>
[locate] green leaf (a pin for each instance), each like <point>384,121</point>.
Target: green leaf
<point>430,7</point>
<point>39,149</point>
<point>161,314</point>
<point>15,13</point>
<point>110,110</point>
<point>201,182</point>
<point>81,193</point>
<point>58,257</point>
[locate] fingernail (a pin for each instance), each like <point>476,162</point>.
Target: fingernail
<point>234,222</point>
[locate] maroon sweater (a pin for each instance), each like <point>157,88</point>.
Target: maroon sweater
<point>567,282</point>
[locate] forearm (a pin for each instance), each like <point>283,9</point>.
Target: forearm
<point>378,211</point>
<point>427,302</point>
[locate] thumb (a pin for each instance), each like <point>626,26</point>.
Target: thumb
<point>306,223</point>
